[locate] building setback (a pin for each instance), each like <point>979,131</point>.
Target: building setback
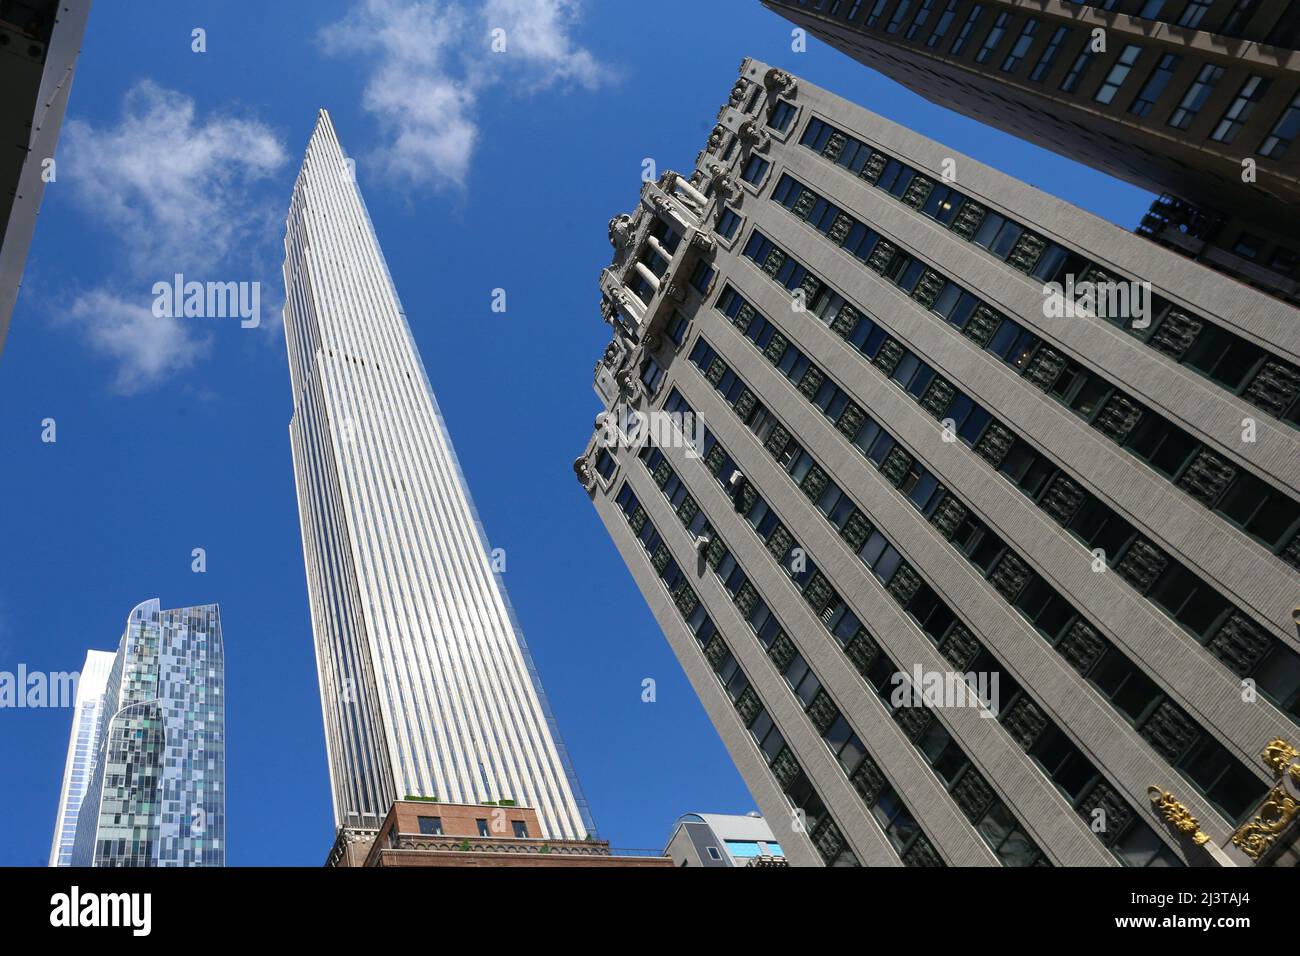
<point>83,745</point>
<point>39,44</point>
<point>427,687</point>
<point>157,790</point>
<point>1170,95</point>
<point>884,456</point>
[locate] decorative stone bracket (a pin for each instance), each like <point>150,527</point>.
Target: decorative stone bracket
<point>717,138</point>
<point>618,301</point>
<point>723,185</point>
<point>780,83</point>
<point>629,384</point>
<point>586,474</point>
<point>738,93</point>
<point>620,231</point>
<point>753,134</point>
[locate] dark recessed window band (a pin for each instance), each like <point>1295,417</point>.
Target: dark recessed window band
<point>887,808</point>
<point>1225,782</point>
<point>1265,513</point>
<point>1267,381</point>
<point>1131,840</point>
<point>991,818</point>
<point>1236,639</point>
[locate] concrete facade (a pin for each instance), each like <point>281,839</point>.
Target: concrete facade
<point>1173,96</point>
<point>798,574</point>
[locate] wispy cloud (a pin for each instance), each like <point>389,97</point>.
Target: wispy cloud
<point>537,34</point>
<point>145,348</point>
<point>174,189</point>
<point>432,62</point>
<point>178,194</point>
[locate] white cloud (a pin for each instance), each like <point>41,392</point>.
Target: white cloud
<point>179,195</point>
<point>536,32</point>
<point>432,61</point>
<point>173,189</point>
<point>146,349</point>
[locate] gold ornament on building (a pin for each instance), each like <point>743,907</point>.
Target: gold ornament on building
<point>1178,815</point>
<point>1275,814</point>
<point>1277,754</point>
<point>1279,809</point>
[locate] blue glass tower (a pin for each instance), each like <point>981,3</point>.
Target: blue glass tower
<point>156,796</point>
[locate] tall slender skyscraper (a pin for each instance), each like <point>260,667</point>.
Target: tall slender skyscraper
<point>963,576</point>
<point>83,745</point>
<point>427,687</point>
<point>157,790</point>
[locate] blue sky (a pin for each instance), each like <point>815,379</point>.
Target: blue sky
<point>481,171</point>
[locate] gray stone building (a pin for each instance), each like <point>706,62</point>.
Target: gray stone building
<point>970,561</point>
<point>1173,96</point>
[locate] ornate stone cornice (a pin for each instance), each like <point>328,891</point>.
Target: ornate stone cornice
<point>431,844</point>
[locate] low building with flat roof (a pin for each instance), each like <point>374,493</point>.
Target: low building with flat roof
<point>723,839</point>
<point>429,833</point>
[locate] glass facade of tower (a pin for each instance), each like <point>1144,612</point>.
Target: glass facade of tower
<point>83,745</point>
<point>157,790</point>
